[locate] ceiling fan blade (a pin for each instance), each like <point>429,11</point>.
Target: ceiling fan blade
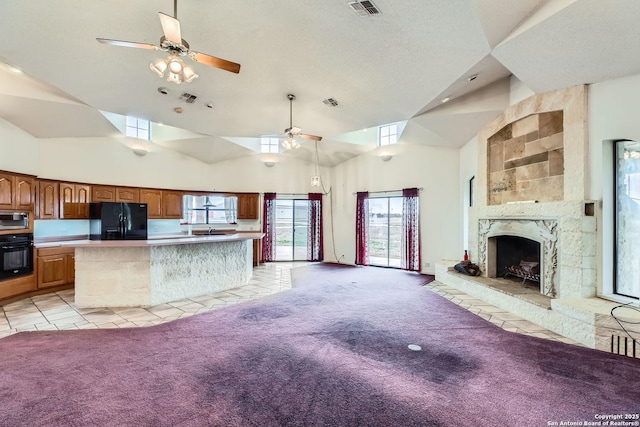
<point>312,137</point>
<point>223,64</point>
<point>170,27</point>
<point>128,44</point>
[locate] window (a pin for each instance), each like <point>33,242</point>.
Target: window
<point>269,144</point>
<point>627,218</point>
<point>388,134</point>
<point>138,128</point>
<point>213,209</point>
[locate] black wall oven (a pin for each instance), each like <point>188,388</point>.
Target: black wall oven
<point>16,255</point>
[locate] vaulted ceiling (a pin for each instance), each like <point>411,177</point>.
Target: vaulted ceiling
<point>393,66</point>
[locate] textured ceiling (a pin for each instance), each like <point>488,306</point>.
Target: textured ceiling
<point>392,67</point>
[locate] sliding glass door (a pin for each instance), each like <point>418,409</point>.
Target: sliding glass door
<point>292,229</point>
<point>384,238</point>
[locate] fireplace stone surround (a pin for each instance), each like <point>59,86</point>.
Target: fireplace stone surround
<point>533,183</point>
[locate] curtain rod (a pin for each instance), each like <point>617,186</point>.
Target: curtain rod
<point>388,191</point>
<point>292,194</point>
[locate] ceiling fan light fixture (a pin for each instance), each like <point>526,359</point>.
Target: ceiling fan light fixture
<point>175,65</point>
<point>159,67</point>
<point>189,74</point>
<point>177,71</point>
<point>290,143</point>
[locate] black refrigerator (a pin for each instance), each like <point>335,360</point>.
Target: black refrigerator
<point>117,221</point>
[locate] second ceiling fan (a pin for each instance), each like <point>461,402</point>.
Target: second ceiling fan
<point>291,132</point>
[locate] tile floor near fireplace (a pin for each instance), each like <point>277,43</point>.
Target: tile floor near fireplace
<point>56,311</point>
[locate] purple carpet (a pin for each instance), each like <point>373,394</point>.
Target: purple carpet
<point>330,352</point>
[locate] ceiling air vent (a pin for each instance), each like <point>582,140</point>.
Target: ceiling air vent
<point>188,98</point>
<point>330,102</point>
<point>364,8</point>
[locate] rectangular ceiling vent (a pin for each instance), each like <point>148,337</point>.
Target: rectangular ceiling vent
<point>330,102</point>
<point>364,8</point>
<point>188,98</point>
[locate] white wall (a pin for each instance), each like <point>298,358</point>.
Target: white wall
<point>468,160</point>
<point>435,169</point>
<point>110,161</point>
<point>613,114</point>
<point>18,150</point>
<point>518,91</point>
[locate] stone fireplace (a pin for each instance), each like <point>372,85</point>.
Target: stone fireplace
<point>531,183</point>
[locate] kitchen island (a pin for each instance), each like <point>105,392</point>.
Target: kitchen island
<point>139,273</point>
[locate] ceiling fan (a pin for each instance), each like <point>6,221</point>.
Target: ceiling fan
<point>291,132</point>
<point>173,43</point>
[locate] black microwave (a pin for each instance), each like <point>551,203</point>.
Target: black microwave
<point>14,220</point>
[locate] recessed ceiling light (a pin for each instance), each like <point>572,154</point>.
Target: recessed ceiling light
<point>445,99</point>
<point>163,90</point>
<point>472,78</point>
<point>15,70</point>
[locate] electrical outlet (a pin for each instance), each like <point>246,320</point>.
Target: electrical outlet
<point>427,264</point>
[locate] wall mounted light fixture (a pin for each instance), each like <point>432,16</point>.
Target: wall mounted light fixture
<point>386,157</point>
<point>140,151</point>
<point>269,163</point>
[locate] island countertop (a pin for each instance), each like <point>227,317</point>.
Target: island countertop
<point>154,241</point>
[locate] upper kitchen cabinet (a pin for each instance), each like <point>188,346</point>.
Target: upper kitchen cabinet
<point>48,200</point>
<point>103,193</point>
<point>172,204</point>
<point>162,204</point>
<point>153,199</point>
<point>111,193</point>
<point>248,206</point>
<point>74,200</point>
<point>127,195</point>
<point>17,192</point>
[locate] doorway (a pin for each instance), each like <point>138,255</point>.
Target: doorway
<point>292,229</point>
<point>384,239</point>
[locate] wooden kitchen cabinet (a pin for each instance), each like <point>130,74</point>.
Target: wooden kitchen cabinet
<point>71,267</point>
<point>103,193</point>
<point>55,266</point>
<point>172,204</point>
<point>153,199</point>
<point>127,195</point>
<point>248,206</point>
<point>48,200</point>
<point>17,192</point>
<point>74,200</point>
<point>20,285</point>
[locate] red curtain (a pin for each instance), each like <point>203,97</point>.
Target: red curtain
<point>410,229</point>
<point>315,251</point>
<point>269,227</point>
<point>362,218</point>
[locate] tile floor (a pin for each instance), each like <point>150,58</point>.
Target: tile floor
<point>57,311</point>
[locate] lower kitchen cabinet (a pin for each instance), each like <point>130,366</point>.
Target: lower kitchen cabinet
<point>17,286</point>
<point>56,266</point>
